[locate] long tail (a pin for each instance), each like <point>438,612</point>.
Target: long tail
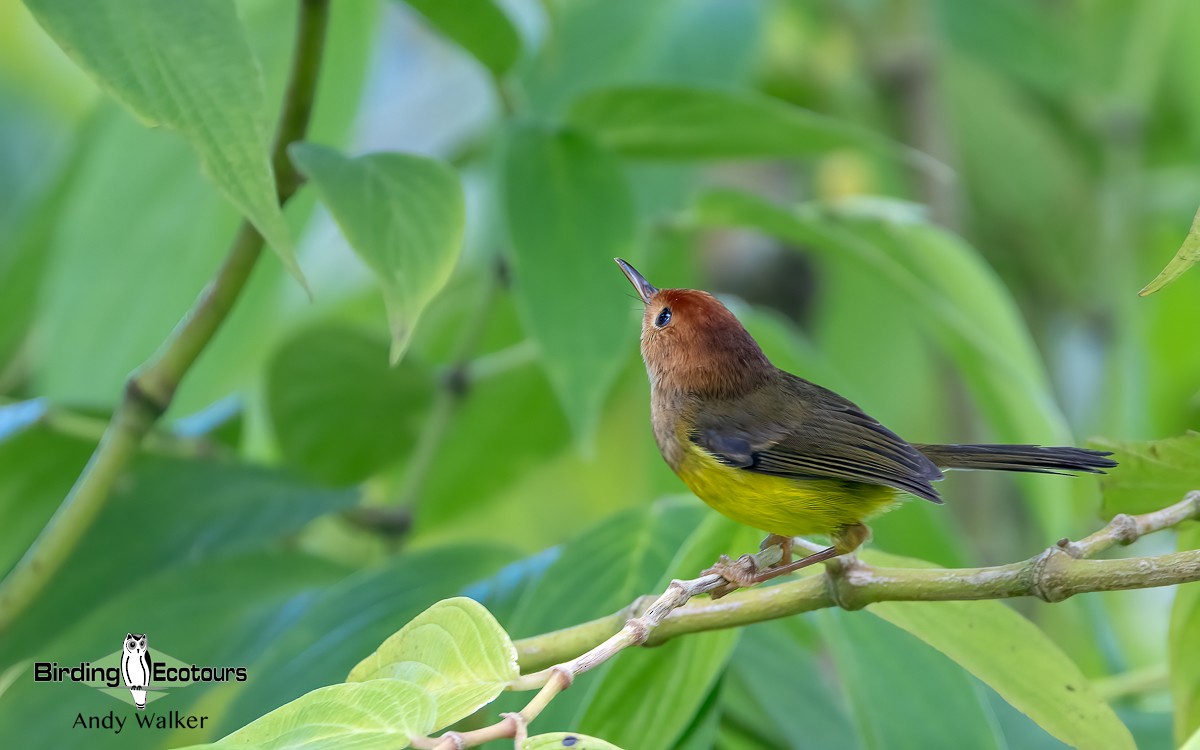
<point>1033,458</point>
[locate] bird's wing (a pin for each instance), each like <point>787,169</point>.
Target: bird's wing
<point>816,434</point>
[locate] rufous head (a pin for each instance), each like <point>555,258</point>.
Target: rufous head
<point>692,343</point>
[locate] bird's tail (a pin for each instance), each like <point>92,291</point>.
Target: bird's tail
<point>1032,458</point>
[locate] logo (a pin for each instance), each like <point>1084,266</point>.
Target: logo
<point>136,667</point>
<point>133,675</point>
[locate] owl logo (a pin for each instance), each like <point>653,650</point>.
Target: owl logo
<point>135,667</point>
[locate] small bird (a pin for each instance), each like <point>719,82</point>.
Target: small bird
<point>783,455</point>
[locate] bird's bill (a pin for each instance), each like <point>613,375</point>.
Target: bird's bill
<point>644,288</point>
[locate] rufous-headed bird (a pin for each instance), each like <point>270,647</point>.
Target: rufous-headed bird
<point>778,453</point>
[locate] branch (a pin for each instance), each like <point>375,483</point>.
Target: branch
<point>1054,575</point>
<point>149,391</point>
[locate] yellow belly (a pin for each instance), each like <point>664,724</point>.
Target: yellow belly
<point>789,507</point>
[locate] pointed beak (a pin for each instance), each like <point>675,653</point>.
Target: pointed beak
<point>644,288</point>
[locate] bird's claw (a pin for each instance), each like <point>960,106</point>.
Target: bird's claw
<point>738,574</point>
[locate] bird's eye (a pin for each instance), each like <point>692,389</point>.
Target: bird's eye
<point>663,318</point>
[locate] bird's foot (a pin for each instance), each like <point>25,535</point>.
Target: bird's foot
<point>738,573</point>
<point>744,572</point>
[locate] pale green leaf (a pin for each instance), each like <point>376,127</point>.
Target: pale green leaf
<point>1185,257</point>
<point>1183,647</point>
<point>1014,657</point>
<point>661,121</point>
<point>187,67</point>
<point>1151,475</point>
<point>1193,743</point>
<point>566,741</point>
<point>478,26</point>
<point>455,651</point>
<point>402,214</point>
<point>375,715</point>
<point>569,214</point>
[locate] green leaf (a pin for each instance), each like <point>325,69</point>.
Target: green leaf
<point>174,209</point>
<point>232,610</point>
<point>522,396</point>
<point>1151,475</point>
<point>1183,647</point>
<point>37,469</point>
<point>615,561</point>
<point>163,226</point>
<point>778,685</point>
<point>194,73</point>
<point>1020,40</point>
<point>648,698</point>
<point>404,217</point>
<point>684,122</point>
<point>479,26</point>
<point>30,223</point>
<point>1185,258</point>
<point>569,214</point>
<point>338,411</point>
<point>1014,657</point>
<point>186,510</point>
<point>326,635</point>
<point>381,714</point>
<point>903,694</point>
<point>570,740</point>
<point>455,651</point>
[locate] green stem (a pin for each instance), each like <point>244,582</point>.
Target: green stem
<point>149,391</point>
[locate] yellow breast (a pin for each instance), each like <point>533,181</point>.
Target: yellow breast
<point>789,507</point>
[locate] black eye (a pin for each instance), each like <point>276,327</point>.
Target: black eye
<point>663,318</point>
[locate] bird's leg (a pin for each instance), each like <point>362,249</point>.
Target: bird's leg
<point>740,572</point>
<point>779,570</point>
<point>784,543</point>
<point>743,573</point>
<point>851,537</point>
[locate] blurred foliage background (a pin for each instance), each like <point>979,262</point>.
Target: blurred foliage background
<point>956,244</point>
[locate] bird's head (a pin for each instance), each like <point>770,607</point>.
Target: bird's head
<point>692,343</point>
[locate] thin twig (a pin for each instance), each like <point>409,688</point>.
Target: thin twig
<point>149,391</point>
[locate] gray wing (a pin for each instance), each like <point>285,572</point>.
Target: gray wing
<point>817,435</point>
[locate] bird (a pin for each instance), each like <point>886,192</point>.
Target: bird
<point>776,452</point>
